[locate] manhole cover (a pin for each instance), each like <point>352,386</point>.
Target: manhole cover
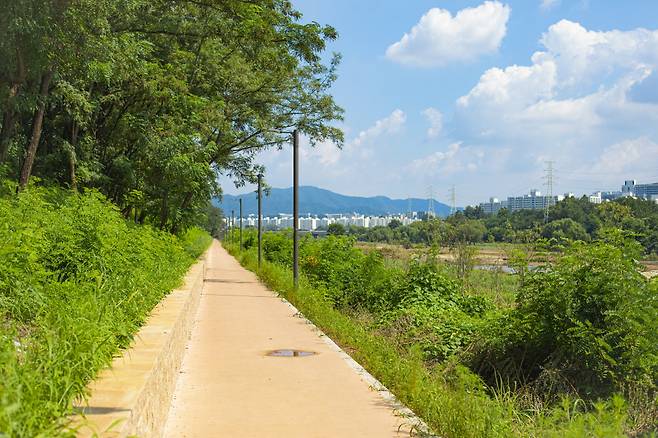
<point>290,353</point>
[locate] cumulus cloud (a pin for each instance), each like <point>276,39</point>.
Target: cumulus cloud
<point>637,158</point>
<point>388,125</point>
<point>456,158</point>
<point>576,97</point>
<point>435,120</point>
<point>328,154</point>
<point>440,38</point>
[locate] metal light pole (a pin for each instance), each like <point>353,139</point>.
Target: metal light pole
<point>295,207</point>
<point>240,224</point>
<point>232,227</point>
<point>260,218</point>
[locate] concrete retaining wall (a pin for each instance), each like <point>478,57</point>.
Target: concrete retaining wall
<point>133,396</point>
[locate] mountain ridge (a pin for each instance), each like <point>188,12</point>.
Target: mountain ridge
<point>317,201</point>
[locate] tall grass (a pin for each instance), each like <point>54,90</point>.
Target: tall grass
<point>76,282</point>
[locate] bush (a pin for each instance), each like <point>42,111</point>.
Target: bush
<point>76,281</point>
<point>592,317</point>
<point>563,230</point>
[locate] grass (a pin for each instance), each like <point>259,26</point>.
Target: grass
<point>76,282</point>
<point>448,397</point>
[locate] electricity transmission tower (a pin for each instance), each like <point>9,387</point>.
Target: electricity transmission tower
<point>430,206</point>
<point>453,200</point>
<point>549,178</point>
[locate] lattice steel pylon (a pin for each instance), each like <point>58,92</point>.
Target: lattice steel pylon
<point>549,178</point>
<point>430,206</point>
<point>453,200</point>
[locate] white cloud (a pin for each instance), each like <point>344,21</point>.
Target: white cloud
<point>328,154</point>
<point>456,158</point>
<point>388,125</point>
<point>439,37</point>
<point>549,4</point>
<point>637,158</point>
<point>577,96</point>
<point>435,120</point>
<point>588,100</point>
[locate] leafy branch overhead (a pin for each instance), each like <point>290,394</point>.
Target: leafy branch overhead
<point>159,97</point>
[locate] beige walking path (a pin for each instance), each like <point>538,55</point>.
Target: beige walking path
<point>229,387</point>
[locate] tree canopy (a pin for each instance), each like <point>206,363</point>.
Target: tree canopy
<point>150,100</point>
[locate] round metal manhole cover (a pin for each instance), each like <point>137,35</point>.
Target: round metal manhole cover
<point>290,353</point>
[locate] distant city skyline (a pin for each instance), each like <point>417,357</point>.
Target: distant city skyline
<point>430,101</point>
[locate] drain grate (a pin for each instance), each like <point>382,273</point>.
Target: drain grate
<point>290,353</point>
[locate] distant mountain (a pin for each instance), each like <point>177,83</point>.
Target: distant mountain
<point>316,201</point>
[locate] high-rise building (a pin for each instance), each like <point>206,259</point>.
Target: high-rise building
<point>493,206</point>
<point>534,201</point>
<point>645,191</point>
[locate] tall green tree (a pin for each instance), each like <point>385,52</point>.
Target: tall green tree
<point>150,101</point>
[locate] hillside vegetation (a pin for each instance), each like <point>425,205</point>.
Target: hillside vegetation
<point>76,281</point>
<point>576,354</point>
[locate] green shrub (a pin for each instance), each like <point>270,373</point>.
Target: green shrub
<point>195,241</point>
<point>591,316</point>
<point>277,248</point>
<point>76,282</point>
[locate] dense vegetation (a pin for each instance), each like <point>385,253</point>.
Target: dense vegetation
<point>570,219</point>
<point>575,355</point>
<point>149,100</point>
<point>76,281</point>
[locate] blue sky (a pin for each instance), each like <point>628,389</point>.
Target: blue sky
<point>480,94</point>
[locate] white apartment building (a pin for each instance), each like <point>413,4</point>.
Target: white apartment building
<point>596,198</point>
<point>493,206</point>
<point>312,223</point>
<point>534,201</point>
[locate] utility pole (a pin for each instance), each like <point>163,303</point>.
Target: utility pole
<point>260,218</point>
<point>232,227</point>
<point>549,188</point>
<point>453,200</point>
<point>295,207</point>
<point>240,224</point>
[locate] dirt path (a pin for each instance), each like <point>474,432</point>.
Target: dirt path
<point>229,387</point>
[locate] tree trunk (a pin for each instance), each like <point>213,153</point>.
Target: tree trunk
<point>73,157</point>
<point>37,126</point>
<point>7,123</point>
